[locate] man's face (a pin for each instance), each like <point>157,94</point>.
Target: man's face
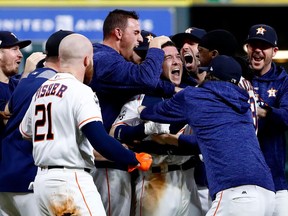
<point>172,66</point>
<point>10,59</point>
<point>205,56</point>
<point>131,37</point>
<point>260,55</point>
<point>189,53</point>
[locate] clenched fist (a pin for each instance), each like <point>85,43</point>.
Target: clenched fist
<point>145,161</point>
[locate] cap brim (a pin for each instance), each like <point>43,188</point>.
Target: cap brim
<point>260,39</point>
<point>24,43</point>
<point>21,44</point>
<point>179,38</point>
<point>141,48</point>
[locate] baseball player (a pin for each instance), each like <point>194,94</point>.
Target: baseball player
<point>17,167</point>
<point>222,42</point>
<point>187,42</point>
<point>171,178</point>
<point>10,59</point>
<point>270,82</point>
<point>63,115</point>
<point>116,79</point>
<point>240,182</point>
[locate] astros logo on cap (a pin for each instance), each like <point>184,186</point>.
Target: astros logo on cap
<point>149,38</point>
<point>189,30</point>
<point>260,30</point>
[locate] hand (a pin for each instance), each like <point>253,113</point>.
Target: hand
<point>263,108</point>
<point>140,108</point>
<point>261,113</point>
<point>157,42</point>
<point>5,115</point>
<point>31,62</point>
<point>145,161</point>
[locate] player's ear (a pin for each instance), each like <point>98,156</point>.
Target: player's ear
<point>118,33</point>
<point>215,53</point>
<point>86,61</point>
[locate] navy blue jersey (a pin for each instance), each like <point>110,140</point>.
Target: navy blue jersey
<point>272,88</point>
<point>17,167</point>
<point>220,116</point>
<point>6,90</point>
<point>116,80</point>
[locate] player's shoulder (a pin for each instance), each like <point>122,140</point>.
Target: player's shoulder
<point>104,53</point>
<point>45,73</point>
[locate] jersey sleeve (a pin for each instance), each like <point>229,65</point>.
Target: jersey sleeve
<point>168,111</point>
<point>25,126</point>
<point>129,114</point>
<point>88,108</point>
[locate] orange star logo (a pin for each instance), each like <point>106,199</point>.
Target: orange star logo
<point>260,30</point>
<point>272,92</point>
<point>149,38</point>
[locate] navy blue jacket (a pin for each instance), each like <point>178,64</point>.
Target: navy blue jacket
<point>116,80</point>
<point>17,167</point>
<point>272,87</point>
<point>220,116</point>
<point>6,91</point>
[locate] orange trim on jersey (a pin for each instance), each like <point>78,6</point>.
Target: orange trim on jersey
<point>218,205</point>
<point>119,123</point>
<point>76,178</point>
<point>24,134</point>
<point>139,97</point>
<point>142,195</point>
<point>108,191</point>
<point>95,117</point>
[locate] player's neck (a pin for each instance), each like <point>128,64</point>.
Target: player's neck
<point>3,77</point>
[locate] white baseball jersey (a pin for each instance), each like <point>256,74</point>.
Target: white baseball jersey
<point>130,116</point>
<point>154,190</point>
<point>246,84</point>
<point>58,110</point>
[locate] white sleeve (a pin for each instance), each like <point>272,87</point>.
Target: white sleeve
<point>129,114</point>
<point>88,108</point>
<point>25,126</point>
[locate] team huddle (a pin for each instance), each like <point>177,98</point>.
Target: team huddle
<point>143,125</point>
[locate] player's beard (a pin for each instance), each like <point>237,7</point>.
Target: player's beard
<point>88,74</point>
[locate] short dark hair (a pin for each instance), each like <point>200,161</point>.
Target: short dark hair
<point>168,43</point>
<point>117,19</point>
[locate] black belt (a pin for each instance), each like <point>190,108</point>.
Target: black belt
<point>62,167</point>
<point>110,165</point>
<point>168,168</point>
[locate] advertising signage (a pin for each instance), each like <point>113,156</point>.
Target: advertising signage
<point>40,23</point>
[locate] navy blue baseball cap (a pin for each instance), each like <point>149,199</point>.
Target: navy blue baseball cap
<point>143,47</point>
<point>53,42</point>
<point>262,32</point>
<point>147,37</point>
<point>192,33</point>
<point>225,68</point>
<point>221,40</point>
<point>8,39</point>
